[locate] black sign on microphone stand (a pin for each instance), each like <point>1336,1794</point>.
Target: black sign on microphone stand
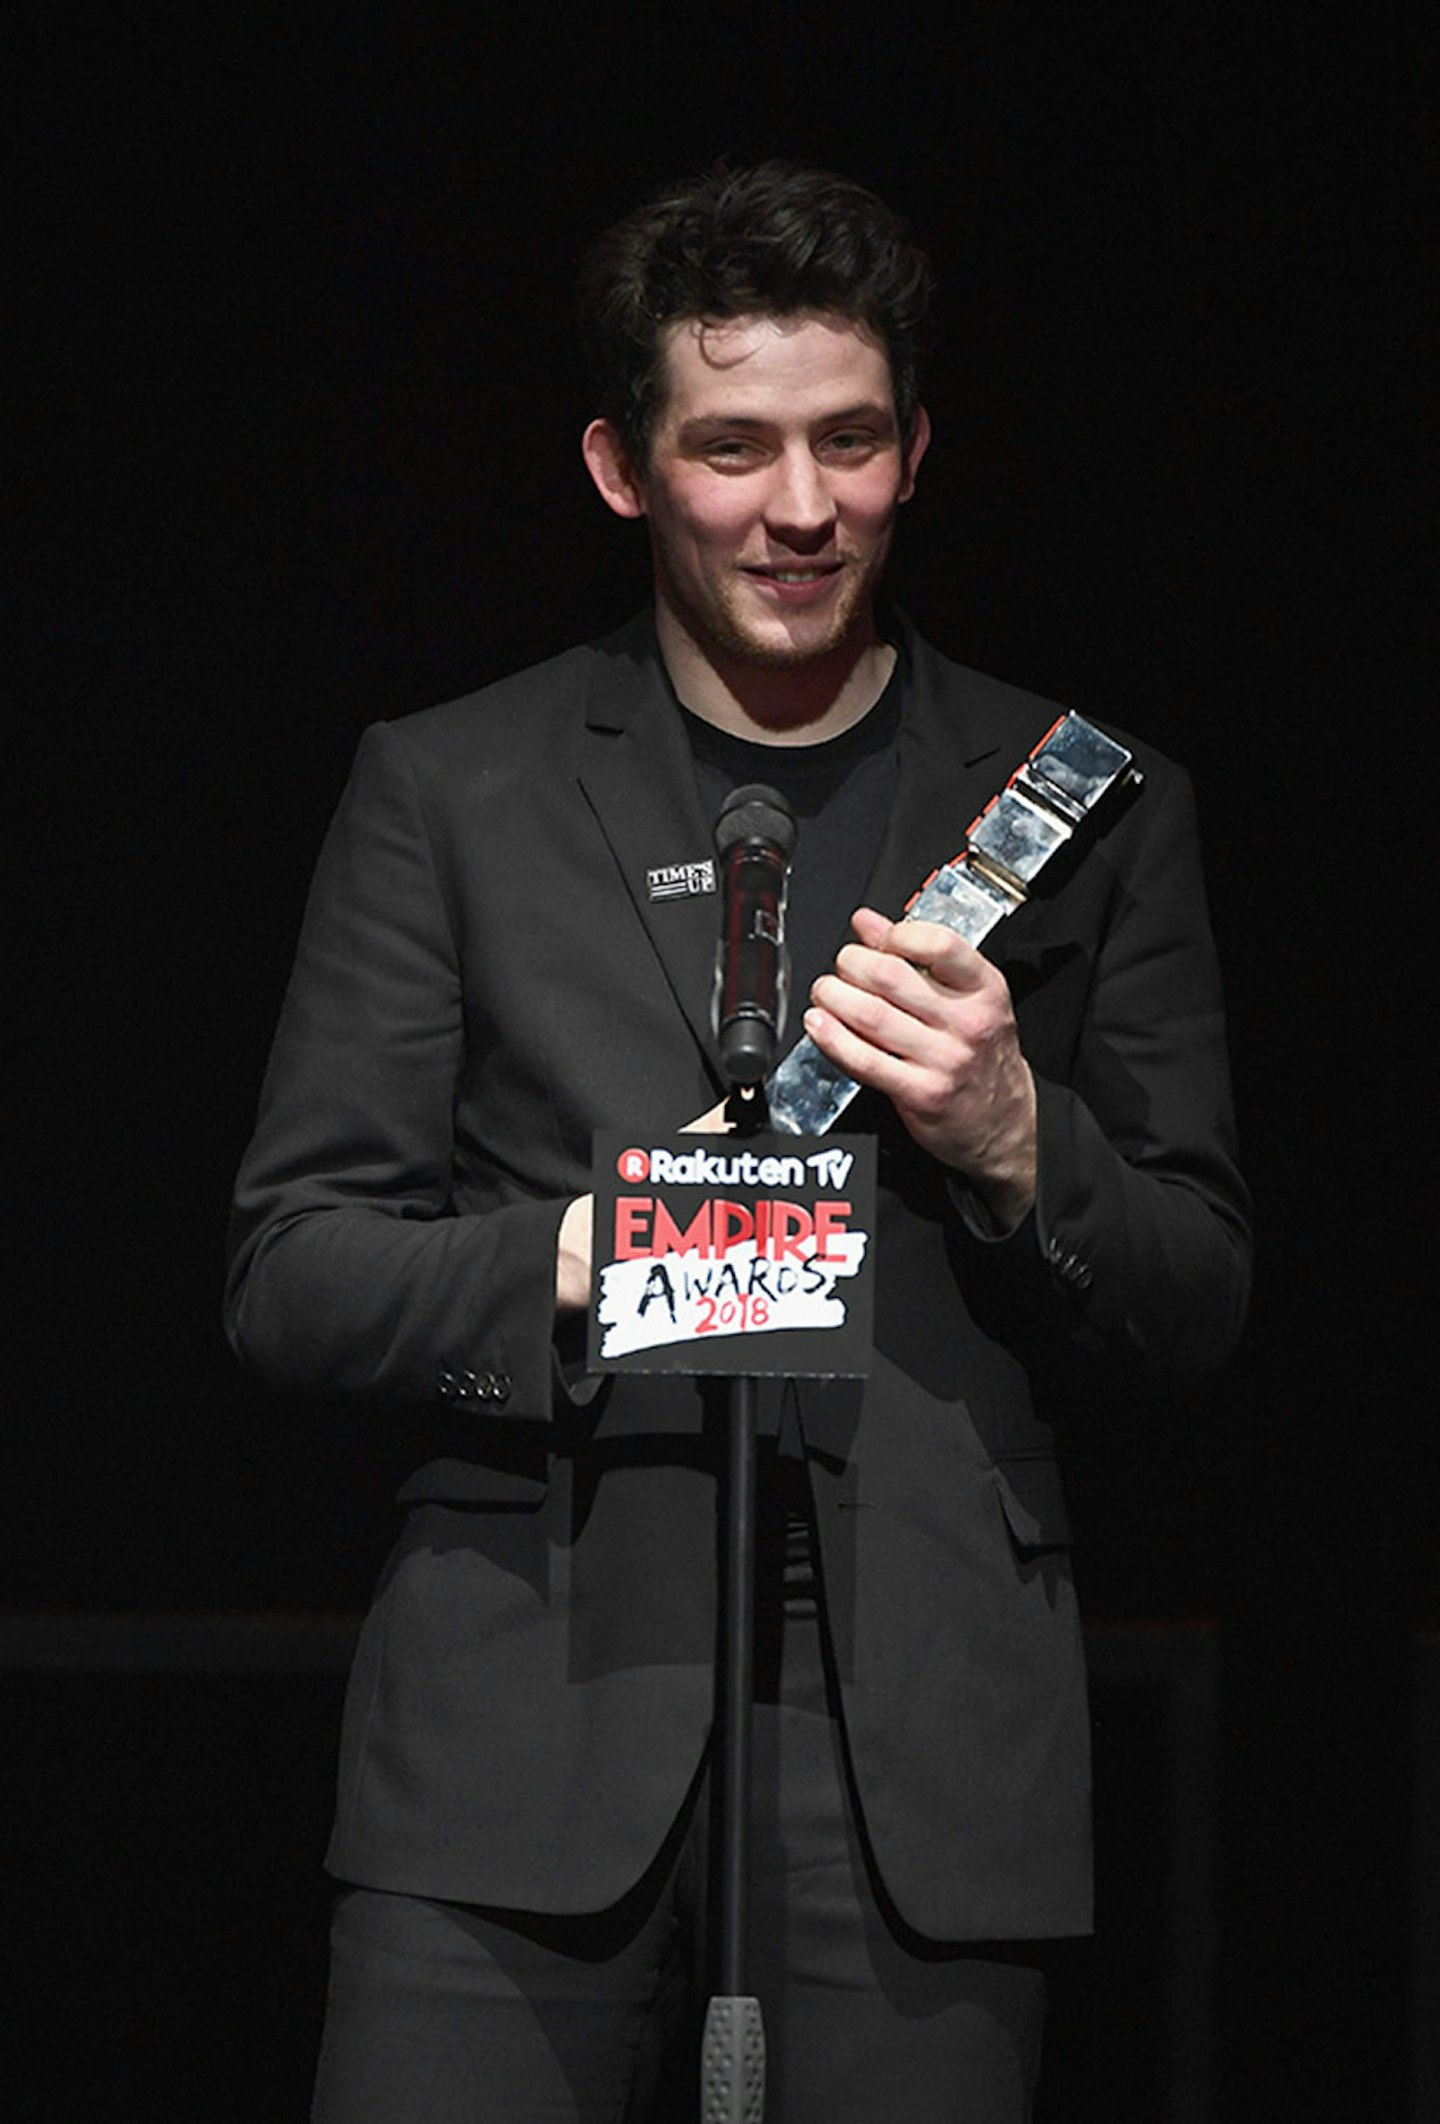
<point>734,1254</point>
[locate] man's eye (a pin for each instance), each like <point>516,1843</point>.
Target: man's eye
<point>849,442</point>
<point>730,449</point>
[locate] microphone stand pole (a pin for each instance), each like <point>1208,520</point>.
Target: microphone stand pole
<point>732,2067</point>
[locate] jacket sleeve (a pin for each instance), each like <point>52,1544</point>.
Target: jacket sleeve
<point>351,1269</point>
<point>1138,1248</point>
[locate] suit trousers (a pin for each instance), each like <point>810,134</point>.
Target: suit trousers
<point>444,2013</point>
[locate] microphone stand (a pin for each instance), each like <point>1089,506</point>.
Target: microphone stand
<point>732,2065</point>
<point>754,839</point>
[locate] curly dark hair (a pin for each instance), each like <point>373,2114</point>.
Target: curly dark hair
<point>772,240</point>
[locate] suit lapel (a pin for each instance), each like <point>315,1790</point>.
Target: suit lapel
<point>637,775</point>
<point>963,737</point>
<point>952,761</point>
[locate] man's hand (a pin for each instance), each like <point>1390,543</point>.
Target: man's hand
<point>573,1265</point>
<point>913,1011</point>
<point>572,1256</point>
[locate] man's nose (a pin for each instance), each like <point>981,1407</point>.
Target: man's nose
<point>800,503</point>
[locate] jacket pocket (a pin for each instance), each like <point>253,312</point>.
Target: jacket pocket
<point>476,1482</point>
<point>1032,1498</point>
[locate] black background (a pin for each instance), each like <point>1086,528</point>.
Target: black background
<point>298,423</point>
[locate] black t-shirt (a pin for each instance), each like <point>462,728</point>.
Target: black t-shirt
<point>841,793</point>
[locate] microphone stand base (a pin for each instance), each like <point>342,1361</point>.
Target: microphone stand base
<point>732,2063</point>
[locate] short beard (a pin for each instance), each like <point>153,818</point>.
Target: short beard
<point>722,632</point>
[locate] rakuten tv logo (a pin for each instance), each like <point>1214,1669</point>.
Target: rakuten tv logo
<point>730,1168</point>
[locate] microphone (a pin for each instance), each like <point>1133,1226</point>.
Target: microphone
<point>754,839</point>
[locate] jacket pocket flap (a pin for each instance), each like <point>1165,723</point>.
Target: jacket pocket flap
<point>478,1482</point>
<point>1033,1501</point>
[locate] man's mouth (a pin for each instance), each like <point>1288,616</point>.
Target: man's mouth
<point>796,586</point>
<point>813,574</point>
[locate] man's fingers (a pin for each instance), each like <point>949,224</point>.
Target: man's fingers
<point>711,1123</point>
<point>891,1006</point>
<point>871,928</point>
<point>914,1012</point>
<point>573,1256</point>
<point>942,954</point>
<point>861,1055</point>
<point>862,976</point>
<point>923,973</point>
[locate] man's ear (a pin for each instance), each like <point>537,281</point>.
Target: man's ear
<point>608,463</point>
<point>918,445</point>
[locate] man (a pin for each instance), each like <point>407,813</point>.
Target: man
<point>487,973</point>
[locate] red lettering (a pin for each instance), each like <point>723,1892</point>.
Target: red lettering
<point>644,1225</point>
<point>790,1227</point>
<point>669,1239</point>
<point>632,1216</point>
<point>731,1224</point>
